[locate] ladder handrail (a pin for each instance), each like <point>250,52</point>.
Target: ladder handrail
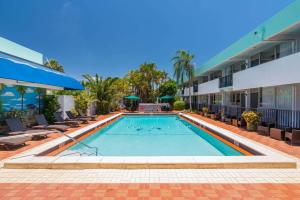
<point>78,141</point>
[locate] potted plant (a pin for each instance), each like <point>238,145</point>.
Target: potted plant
<point>205,110</point>
<point>223,115</point>
<point>252,118</point>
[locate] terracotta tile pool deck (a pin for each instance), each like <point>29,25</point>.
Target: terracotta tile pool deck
<point>148,191</point>
<point>276,144</point>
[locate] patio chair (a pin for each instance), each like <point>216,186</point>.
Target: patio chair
<point>277,133</point>
<point>238,122</point>
<point>264,128</point>
<point>79,119</point>
<point>293,135</point>
<point>43,124</point>
<point>16,127</point>
<point>16,140</point>
<point>91,117</point>
<point>215,116</point>
<point>228,119</point>
<point>60,120</point>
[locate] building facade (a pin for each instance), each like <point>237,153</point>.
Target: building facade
<point>260,71</point>
<point>23,67</point>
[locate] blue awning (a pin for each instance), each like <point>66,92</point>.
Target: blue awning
<point>24,72</point>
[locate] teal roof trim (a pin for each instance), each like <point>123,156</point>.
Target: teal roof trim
<point>14,49</point>
<point>286,18</point>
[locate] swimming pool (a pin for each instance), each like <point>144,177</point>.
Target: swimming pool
<point>153,135</point>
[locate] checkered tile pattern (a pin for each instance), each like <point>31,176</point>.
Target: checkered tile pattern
<point>148,191</point>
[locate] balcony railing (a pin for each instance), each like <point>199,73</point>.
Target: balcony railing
<point>225,81</point>
<point>280,117</point>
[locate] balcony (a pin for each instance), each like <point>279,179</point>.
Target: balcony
<point>209,87</point>
<point>225,81</point>
<point>282,71</point>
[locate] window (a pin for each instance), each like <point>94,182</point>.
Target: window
<point>267,55</point>
<point>255,60</point>
<point>235,98</point>
<point>195,86</point>
<point>215,75</point>
<point>284,49</point>
<point>203,79</point>
<point>216,99</point>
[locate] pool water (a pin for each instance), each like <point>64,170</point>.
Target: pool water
<point>153,135</point>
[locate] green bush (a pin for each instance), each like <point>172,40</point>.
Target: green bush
<point>51,106</point>
<point>179,105</point>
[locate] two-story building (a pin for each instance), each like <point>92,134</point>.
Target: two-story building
<point>260,71</point>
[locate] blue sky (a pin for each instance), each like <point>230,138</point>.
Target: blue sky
<point>111,37</point>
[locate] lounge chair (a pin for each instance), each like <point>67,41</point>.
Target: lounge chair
<point>43,124</point>
<point>16,126</point>
<point>60,120</point>
<point>74,118</point>
<point>293,135</point>
<point>92,117</point>
<point>16,140</point>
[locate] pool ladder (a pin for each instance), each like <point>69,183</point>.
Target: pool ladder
<point>82,143</point>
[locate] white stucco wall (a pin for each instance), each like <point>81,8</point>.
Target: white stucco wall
<point>66,103</point>
<point>209,87</point>
<point>283,71</point>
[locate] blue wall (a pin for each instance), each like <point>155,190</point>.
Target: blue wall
<point>11,99</point>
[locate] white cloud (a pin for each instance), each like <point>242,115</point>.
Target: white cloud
<point>29,90</point>
<point>8,94</point>
<point>18,99</point>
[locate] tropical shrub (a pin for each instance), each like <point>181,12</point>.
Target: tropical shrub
<point>82,101</point>
<point>102,91</point>
<point>51,106</point>
<point>252,118</point>
<point>74,112</point>
<point>179,105</point>
<point>205,110</point>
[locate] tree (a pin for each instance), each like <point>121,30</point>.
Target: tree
<point>145,81</point>
<point>22,90</point>
<point>101,90</point>
<point>184,69</point>
<point>55,65</point>
<point>40,92</point>
<point>168,88</point>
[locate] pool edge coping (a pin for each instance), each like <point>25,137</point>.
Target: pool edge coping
<point>271,159</point>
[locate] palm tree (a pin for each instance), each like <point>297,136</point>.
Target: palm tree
<point>39,91</point>
<point>22,90</point>
<point>55,65</point>
<point>102,91</point>
<point>184,69</point>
